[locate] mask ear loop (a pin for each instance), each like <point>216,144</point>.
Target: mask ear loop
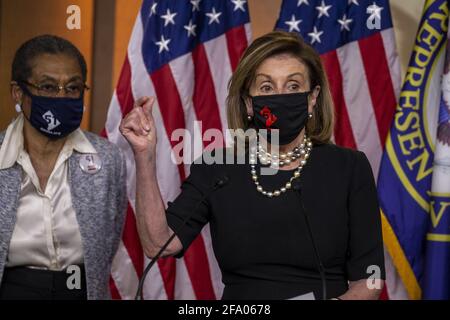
<point>18,106</point>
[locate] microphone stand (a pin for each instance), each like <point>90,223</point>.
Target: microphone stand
<point>296,186</point>
<point>217,185</point>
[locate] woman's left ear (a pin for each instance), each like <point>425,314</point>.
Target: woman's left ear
<point>313,98</point>
<point>16,93</point>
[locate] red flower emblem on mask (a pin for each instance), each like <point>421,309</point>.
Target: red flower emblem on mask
<point>270,117</point>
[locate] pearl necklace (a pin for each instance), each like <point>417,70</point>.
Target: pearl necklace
<point>306,147</point>
<point>284,158</point>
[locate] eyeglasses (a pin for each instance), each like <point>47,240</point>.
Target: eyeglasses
<point>71,90</point>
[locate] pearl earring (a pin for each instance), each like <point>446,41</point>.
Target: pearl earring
<point>249,118</point>
<point>310,115</point>
<point>18,108</point>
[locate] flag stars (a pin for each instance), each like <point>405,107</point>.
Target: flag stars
<point>344,22</point>
<point>214,16</point>
<point>195,5</point>
<point>153,9</point>
<point>163,44</point>
<point>191,29</point>
<point>293,24</point>
<point>168,17</point>
<point>239,5</point>
<point>300,2</point>
<point>323,9</point>
<point>315,35</point>
<point>355,2</point>
<point>374,11</point>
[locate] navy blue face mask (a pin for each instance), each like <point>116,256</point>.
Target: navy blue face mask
<point>55,117</point>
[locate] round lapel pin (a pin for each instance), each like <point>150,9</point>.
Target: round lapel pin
<point>90,163</point>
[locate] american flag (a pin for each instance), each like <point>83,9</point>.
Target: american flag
<point>355,39</point>
<point>183,53</point>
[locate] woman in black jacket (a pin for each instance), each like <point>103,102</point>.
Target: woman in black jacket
<point>275,236</point>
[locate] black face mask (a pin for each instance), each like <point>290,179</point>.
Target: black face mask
<point>286,112</point>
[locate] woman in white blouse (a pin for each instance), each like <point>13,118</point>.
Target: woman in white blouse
<point>62,190</point>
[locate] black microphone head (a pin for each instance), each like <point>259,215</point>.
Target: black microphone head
<point>221,181</point>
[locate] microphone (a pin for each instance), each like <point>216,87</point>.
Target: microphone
<point>218,183</point>
<point>297,187</point>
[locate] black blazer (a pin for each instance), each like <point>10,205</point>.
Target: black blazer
<point>262,245</point>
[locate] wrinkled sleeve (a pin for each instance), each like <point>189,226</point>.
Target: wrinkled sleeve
<point>191,204</point>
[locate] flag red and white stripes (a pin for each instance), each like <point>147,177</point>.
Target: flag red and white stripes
<point>189,88</point>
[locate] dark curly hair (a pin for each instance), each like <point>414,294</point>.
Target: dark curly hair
<point>44,44</point>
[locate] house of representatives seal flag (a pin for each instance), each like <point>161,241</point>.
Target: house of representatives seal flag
<point>414,178</point>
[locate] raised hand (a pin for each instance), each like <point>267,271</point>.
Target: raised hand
<point>138,127</point>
